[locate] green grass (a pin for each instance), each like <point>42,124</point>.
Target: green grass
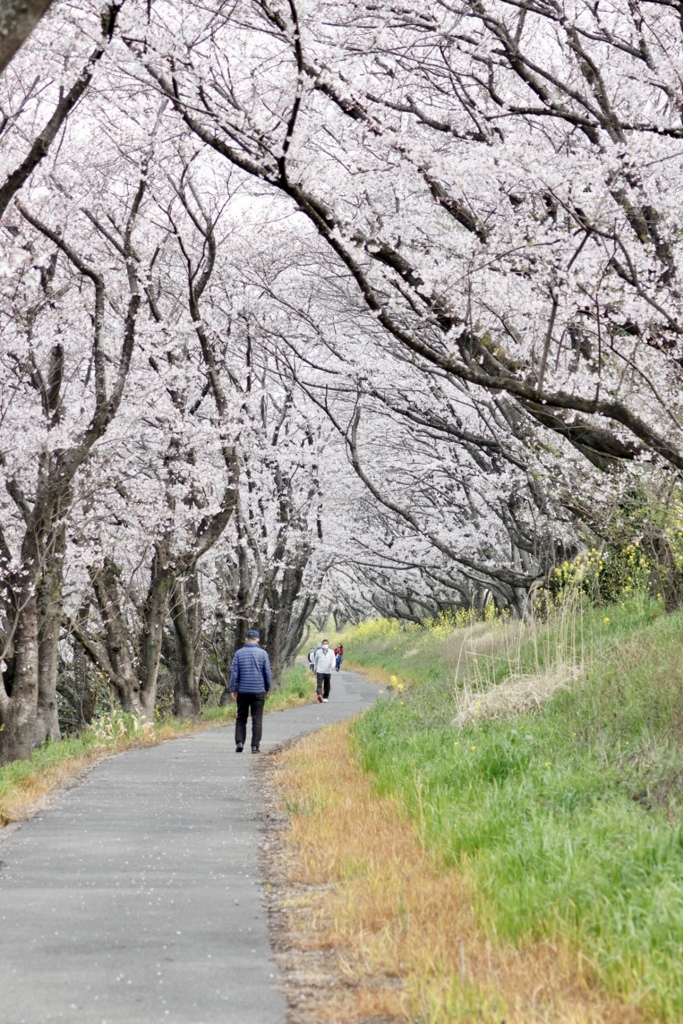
<point>568,821</point>
<point>49,756</point>
<point>297,688</point>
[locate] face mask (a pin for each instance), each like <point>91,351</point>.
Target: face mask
<point>325,647</point>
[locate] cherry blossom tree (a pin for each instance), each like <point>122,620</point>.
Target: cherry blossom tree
<point>66,392</point>
<point>498,181</point>
<point>310,306</point>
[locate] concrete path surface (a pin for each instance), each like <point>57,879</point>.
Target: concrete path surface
<point>135,898</point>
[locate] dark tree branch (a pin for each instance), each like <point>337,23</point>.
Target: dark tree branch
<point>41,144</point>
<point>18,18</point>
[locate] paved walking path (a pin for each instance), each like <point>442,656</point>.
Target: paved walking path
<point>135,898</point>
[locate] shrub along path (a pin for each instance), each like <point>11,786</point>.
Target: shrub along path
<point>136,896</point>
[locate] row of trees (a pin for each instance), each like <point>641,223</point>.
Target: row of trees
<point>155,458</point>
<point>313,307</point>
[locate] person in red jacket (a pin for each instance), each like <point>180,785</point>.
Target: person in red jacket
<point>339,655</point>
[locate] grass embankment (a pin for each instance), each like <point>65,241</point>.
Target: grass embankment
<point>408,945</point>
<point>540,770</point>
<point>24,784</point>
<point>383,648</point>
<point>566,824</point>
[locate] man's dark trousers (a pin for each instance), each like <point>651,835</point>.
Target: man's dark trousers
<point>245,703</point>
<point>323,681</point>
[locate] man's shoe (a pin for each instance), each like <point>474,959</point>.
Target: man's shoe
<point>239,748</point>
<point>255,750</point>
<point>320,698</point>
<point>324,700</point>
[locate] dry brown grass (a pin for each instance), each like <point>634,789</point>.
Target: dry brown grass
<point>395,928</point>
<point>484,638</point>
<point>30,794</point>
<point>516,695</point>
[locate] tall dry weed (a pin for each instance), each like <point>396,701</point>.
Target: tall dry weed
<point>508,668</point>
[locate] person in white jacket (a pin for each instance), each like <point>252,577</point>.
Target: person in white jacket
<point>323,663</point>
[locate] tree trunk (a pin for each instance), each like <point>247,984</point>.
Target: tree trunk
<point>18,18</point>
<point>285,627</point>
<point>123,675</point>
<point>49,604</point>
<point>47,718</point>
<point>18,710</point>
<point>187,702</point>
<point>79,686</point>
<point>156,610</point>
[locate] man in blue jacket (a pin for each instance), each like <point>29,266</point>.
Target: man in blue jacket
<point>250,682</point>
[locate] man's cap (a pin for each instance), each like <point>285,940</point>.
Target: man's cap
<point>253,634</point>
